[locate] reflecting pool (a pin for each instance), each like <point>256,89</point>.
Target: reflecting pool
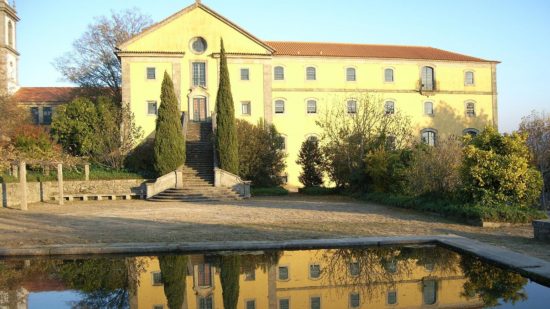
<point>379,277</point>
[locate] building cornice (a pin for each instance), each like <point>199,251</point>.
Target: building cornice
<point>9,10</point>
<point>10,49</point>
<point>384,59</point>
<point>160,54</point>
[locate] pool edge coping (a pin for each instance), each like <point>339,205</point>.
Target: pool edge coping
<point>534,268</point>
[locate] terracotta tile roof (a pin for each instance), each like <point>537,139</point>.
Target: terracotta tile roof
<point>367,51</point>
<point>45,94</point>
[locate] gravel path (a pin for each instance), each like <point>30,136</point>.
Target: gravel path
<point>292,217</point>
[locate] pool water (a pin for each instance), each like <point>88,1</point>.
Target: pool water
<point>372,277</point>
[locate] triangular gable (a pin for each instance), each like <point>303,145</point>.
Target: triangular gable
<point>133,44</point>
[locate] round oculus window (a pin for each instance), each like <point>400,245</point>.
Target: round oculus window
<point>198,45</point>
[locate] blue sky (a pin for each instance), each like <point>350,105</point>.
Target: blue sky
<point>514,32</point>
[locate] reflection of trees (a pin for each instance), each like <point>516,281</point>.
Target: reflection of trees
<point>174,272</point>
<point>491,283</point>
<point>103,282</point>
<point>380,267</point>
<point>14,273</point>
<point>262,261</point>
<point>229,276</point>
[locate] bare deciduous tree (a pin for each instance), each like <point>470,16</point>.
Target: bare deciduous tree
<point>93,63</point>
<point>537,128</point>
<point>350,132</point>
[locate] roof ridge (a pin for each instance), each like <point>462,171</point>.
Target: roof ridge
<point>344,43</point>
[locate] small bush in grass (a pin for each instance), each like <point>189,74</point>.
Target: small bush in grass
<point>273,191</point>
<point>319,191</point>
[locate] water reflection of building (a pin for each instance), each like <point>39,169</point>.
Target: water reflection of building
<point>316,279</point>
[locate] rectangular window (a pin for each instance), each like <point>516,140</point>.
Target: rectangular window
<point>350,75</point>
<point>279,107</point>
<point>311,73</point>
<point>354,268</point>
<point>284,303</point>
<point>283,273</point>
<point>205,275</point>
<point>352,107</point>
<point>314,271</point>
<point>152,108</point>
<point>34,115</point>
<point>245,108</point>
<point>245,74</point>
<point>469,78</point>
<point>354,300</point>
<point>388,75</point>
<point>315,302</point>
<point>205,302</point>
<point>157,278</point>
<point>311,107</point>
<point>279,73</point>
<point>47,115</point>
<point>199,74</point>
<point>151,73</point>
<point>250,304</point>
<point>428,108</point>
<point>392,298</point>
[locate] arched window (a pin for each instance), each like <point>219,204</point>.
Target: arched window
<point>470,109</point>
<point>389,107</point>
<point>429,291</point>
<point>428,79</point>
<point>313,138</point>
<point>471,131</point>
<point>429,136</point>
<point>469,78</point>
<point>388,75</point>
<point>10,33</point>
<point>428,108</point>
<point>311,106</point>
<point>279,107</point>
<point>279,73</point>
<point>350,75</point>
<point>311,73</point>
<point>352,107</point>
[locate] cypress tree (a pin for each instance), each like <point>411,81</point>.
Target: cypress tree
<point>169,147</point>
<point>226,133</point>
<point>174,270</point>
<point>229,277</point>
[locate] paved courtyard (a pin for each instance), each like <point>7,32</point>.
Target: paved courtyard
<point>292,217</point>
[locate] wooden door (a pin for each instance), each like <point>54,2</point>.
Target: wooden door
<point>199,109</point>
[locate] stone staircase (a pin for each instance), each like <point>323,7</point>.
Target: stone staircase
<point>198,171</point>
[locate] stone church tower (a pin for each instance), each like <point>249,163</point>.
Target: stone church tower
<point>9,57</point>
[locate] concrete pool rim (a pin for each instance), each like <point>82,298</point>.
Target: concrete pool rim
<point>534,268</point>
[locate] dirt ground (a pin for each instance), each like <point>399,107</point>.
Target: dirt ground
<point>280,218</point>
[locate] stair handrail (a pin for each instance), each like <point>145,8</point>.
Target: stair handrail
<point>224,178</point>
<point>163,183</point>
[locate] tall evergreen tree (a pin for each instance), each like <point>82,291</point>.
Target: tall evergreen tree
<point>169,147</point>
<point>311,160</point>
<point>226,133</point>
<point>174,271</point>
<point>229,277</point>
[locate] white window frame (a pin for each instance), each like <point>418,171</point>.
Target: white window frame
<point>316,106</point>
<point>309,271</point>
<point>275,73</point>
<point>424,108</point>
<point>386,105</point>
<point>348,109</point>
<point>428,131</point>
<point>247,70</point>
<point>154,70</point>
<point>156,108</point>
<point>384,75</point>
<point>283,266</point>
<point>354,74</point>
<point>314,76</point>
<point>467,110</point>
<point>275,106</point>
<point>243,104</point>
<point>466,78</point>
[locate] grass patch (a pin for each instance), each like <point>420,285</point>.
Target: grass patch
<point>273,191</point>
<point>456,210</point>
<point>318,191</point>
<point>96,173</point>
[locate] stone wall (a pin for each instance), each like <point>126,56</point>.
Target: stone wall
<point>542,230</point>
<point>44,191</point>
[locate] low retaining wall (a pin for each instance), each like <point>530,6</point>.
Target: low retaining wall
<point>45,191</point>
<point>542,230</point>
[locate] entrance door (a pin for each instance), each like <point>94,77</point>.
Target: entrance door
<point>199,109</point>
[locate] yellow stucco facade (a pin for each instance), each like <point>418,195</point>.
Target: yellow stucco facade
<point>406,285</point>
<point>169,46</point>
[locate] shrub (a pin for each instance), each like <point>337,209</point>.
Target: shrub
<point>435,170</point>
<point>226,135</point>
<point>311,160</point>
<point>261,153</point>
<point>169,145</point>
<point>496,172</point>
<point>272,191</point>
<point>385,169</point>
<point>319,191</point>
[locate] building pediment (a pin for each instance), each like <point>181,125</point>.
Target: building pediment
<point>177,33</point>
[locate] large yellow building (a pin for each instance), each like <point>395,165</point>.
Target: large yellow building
<point>289,84</point>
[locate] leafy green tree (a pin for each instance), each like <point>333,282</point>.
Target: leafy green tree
<point>261,153</point>
<point>311,160</point>
<point>169,147</point>
<point>229,276</point>
<point>174,272</point>
<point>226,133</point>
<point>74,126</point>
<point>496,170</point>
<point>386,169</point>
